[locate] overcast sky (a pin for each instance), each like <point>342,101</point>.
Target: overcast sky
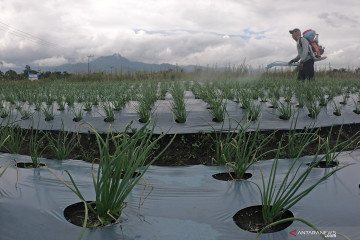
<point>200,32</point>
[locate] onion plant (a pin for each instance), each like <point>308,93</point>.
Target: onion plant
<point>38,105</point>
<point>254,111</point>
<point>60,103</point>
<point>297,141</point>
<point>178,104</point>
<point>331,152</point>
<point>274,102</point>
<point>144,109</point>
<point>109,112</point>
<point>3,136</point>
<point>48,112</point>
<point>87,105</point>
<point>146,99</point>
<point>16,138</point>
<point>78,113</point>
<point>245,149</point>
<point>288,94</point>
<point>116,174</point>
<point>278,198</point>
<point>120,102</point>
<point>357,107</point>
<point>217,108</point>
<point>70,99</point>
<point>36,142</point>
<point>345,97</point>
<point>285,110</point>
<point>4,112</point>
<point>245,99</point>
<point>62,142</point>
<point>224,151</point>
<point>314,109</point>
<point>25,114</point>
<point>301,100</point>
<point>337,109</point>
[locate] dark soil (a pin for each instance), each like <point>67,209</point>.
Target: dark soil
<point>322,164</point>
<point>28,165</point>
<point>230,176</point>
<point>186,149</point>
<point>75,214</point>
<point>251,219</point>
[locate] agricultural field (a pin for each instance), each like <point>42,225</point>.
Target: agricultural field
<point>132,151</point>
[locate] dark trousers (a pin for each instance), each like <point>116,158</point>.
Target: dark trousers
<point>307,72</point>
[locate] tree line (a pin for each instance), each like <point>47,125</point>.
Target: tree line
<point>13,75</point>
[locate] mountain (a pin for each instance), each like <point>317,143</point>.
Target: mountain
<point>114,63</point>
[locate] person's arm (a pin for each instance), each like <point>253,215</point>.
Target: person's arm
<point>297,58</point>
<point>305,49</point>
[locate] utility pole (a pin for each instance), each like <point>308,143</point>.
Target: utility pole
<point>90,56</point>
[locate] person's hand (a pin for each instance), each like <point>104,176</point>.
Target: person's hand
<point>301,65</point>
<point>291,61</point>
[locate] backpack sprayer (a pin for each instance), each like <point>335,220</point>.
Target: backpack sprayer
<point>315,50</point>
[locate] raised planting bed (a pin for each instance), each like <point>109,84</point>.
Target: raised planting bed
<point>185,202</point>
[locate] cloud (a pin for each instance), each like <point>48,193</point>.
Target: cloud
<point>53,61</point>
<point>6,65</point>
<point>184,32</point>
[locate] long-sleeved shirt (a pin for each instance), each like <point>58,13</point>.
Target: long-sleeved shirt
<point>303,50</point>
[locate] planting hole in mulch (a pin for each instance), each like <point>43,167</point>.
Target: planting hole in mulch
<point>28,165</point>
<point>251,219</point>
<point>284,118</point>
<point>75,214</point>
<point>177,121</point>
<point>141,120</point>
<point>109,120</point>
<point>322,164</point>
<point>77,119</point>
<point>216,120</point>
<point>230,176</point>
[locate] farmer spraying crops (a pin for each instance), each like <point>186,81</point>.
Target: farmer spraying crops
<point>306,66</point>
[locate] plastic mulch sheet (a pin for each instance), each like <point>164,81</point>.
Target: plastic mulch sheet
<point>198,117</point>
<point>186,203</point>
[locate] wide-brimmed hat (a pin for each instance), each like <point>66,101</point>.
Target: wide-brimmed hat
<point>294,30</point>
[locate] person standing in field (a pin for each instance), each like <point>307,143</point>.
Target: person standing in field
<point>306,67</point>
